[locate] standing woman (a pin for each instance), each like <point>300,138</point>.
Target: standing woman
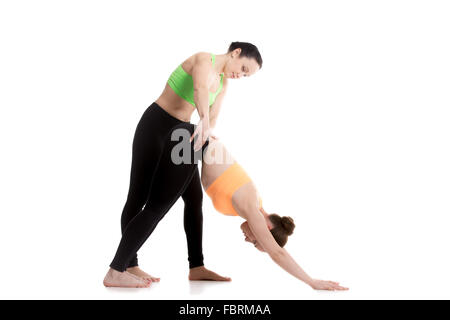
<point>199,83</point>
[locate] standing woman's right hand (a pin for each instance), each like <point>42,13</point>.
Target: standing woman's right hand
<point>202,131</point>
<point>326,285</point>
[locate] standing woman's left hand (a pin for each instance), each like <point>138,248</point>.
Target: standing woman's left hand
<point>203,131</point>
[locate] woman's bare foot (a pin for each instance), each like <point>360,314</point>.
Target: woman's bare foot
<point>201,273</point>
<point>138,272</point>
<point>124,279</point>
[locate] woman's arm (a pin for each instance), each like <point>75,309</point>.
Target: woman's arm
<point>200,73</point>
<point>258,225</point>
<point>279,255</point>
<point>215,108</point>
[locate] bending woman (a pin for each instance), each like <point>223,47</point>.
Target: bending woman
<point>232,192</point>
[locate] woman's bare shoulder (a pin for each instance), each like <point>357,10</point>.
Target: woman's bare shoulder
<point>195,59</point>
<point>201,57</point>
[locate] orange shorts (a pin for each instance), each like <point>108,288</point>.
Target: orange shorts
<point>222,189</point>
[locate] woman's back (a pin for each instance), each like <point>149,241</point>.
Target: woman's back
<point>216,160</point>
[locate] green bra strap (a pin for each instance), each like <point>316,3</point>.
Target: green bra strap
<point>213,58</point>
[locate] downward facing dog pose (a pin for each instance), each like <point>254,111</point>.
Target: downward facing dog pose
<point>232,193</point>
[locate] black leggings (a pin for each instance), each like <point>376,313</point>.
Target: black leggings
<point>146,205</point>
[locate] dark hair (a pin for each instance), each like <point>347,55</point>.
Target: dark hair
<point>282,228</point>
<point>247,50</point>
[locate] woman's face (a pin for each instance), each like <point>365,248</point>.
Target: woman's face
<point>240,67</point>
<point>249,236</point>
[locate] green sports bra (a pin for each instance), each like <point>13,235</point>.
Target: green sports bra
<point>181,82</point>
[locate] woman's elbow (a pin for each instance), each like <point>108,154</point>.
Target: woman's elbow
<point>276,254</point>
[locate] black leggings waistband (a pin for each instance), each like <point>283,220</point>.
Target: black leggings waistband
<point>163,113</point>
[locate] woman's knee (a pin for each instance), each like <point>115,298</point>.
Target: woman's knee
<point>137,198</point>
<point>193,204</point>
<point>154,211</point>
<point>193,196</point>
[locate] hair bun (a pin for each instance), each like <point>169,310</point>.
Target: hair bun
<point>288,224</point>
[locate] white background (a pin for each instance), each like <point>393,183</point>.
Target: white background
<point>345,128</point>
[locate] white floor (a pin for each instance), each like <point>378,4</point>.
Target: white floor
<point>373,267</point>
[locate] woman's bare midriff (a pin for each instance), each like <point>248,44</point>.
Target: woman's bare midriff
<point>174,105</point>
<point>177,106</point>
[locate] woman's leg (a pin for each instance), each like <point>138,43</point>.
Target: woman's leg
<point>148,141</point>
<point>170,180</point>
<point>193,220</point>
<point>144,161</point>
